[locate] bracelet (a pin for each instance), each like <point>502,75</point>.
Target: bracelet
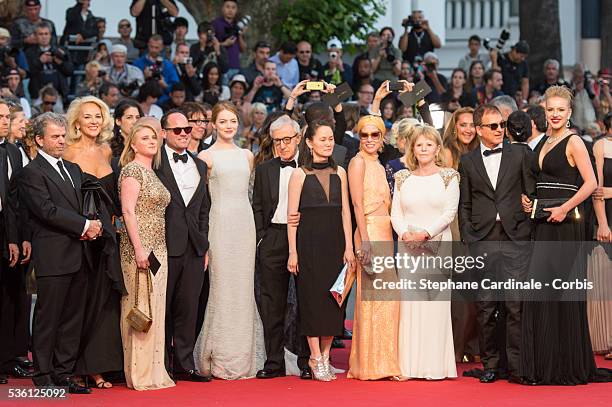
<point>376,114</point>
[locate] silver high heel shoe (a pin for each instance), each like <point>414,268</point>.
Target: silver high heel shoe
<point>328,366</point>
<point>319,370</point>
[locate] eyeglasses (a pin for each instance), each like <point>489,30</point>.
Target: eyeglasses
<point>494,126</point>
<point>124,25</point>
<point>199,122</point>
<point>178,130</point>
<point>49,102</point>
<point>373,136</point>
<point>285,140</point>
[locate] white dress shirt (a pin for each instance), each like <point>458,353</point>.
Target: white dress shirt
<point>53,161</point>
<point>280,215</point>
<point>534,142</point>
<point>491,164</point>
<point>186,174</point>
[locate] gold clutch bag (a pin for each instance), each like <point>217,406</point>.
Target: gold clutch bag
<point>137,319</point>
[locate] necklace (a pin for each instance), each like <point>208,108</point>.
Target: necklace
<point>553,139</point>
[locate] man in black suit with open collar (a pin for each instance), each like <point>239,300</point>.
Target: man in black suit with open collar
<point>270,195</point>
<point>493,178</point>
<point>51,190</point>
<point>187,239</point>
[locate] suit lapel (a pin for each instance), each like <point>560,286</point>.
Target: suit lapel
<point>505,162</point>
<point>202,169</point>
<point>4,175</point>
<point>274,177</point>
<point>75,174</point>
<point>68,192</point>
<point>167,176</point>
<point>480,167</point>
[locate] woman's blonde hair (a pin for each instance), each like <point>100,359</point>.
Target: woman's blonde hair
<point>429,133</point>
<point>92,64</point>
<point>128,154</point>
<point>72,116</point>
<point>559,91</point>
<point>402,129</point>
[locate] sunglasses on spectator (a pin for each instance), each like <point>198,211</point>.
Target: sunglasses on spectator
<point>373,136</point>
<point>199,122</point>
<point>284,140</point>
<point>494,126</point>
<point>178,130</point>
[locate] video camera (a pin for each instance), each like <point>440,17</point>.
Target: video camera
<point>8,52</point>
<point>157,68</point>
<point>409,22</point>
<point>127,89</point>
<point>501,41</point>
<point>236,29</point>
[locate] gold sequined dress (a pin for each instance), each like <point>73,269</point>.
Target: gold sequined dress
<point>374,352</point>
<point>143,353</point>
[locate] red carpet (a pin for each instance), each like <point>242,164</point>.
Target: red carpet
<point>291,391</point>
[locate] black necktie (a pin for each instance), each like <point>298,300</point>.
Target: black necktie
<point>487,153</point>
<point>60,165</point>
<point>181,157</point>
<point>19,144</point>
<point>288,164</point>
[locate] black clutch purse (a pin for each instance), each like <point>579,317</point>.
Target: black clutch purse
<point>538,212</point>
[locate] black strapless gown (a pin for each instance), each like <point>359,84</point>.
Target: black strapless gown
<point>101,349</point>
<point>556,345</point>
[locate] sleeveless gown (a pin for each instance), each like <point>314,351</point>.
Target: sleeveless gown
<point>599,266</point>
<point>320,247</point>
<point>101,348</point>
<point>555,346</point>
<point>143,353</point>
<point>230,345</point>
<point>374,352</point>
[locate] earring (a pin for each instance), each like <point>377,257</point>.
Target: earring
<point>567,124</point>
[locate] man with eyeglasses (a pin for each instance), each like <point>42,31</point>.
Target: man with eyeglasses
<point>365,96</point>
<point>196,116</point>
<point>187,239</point>
<point>270,195</point>
<point>310,67</point>
<point>493,177</point>
<point>124,28</point>
<point>48,102</point>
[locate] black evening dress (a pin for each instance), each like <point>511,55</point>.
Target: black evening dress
<point>100,349</point>
<point>556,347</point>
<point>320,248</point>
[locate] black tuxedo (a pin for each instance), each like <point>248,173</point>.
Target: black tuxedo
<point>272,256</point>
<point>479,204</point>
<point>58,258</point>
<point>187,242</point>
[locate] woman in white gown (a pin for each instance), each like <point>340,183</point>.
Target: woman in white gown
<point>424,205</point>
<point>230,345</point>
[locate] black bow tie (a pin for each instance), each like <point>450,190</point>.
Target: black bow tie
<point>288,164</point>
<point>181,157</point>
<point>487,153</point>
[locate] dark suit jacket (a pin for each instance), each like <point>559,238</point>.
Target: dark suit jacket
<point>265,194</point>
<point>16,160</point>
<point>55,211</point>
<point>185,223</point>
<point>9,234</point>
<point>479,202</point>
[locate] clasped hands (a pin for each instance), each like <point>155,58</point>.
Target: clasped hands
<point>93,231</point>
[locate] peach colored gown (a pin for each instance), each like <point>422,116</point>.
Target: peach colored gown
<point>374,351</point>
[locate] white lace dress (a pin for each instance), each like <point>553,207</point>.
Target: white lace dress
<point>230,345</point>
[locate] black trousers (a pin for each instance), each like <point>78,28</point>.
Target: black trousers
<point>15,305</point>
<point>185,280</point>
<point>499,321</point>
<point>273,253</point>
<point>58,323</point>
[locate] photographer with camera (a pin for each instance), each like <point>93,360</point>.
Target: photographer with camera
<point>158,68</point>
<point>124,28</point>
<point>186,72</point>
<point>153,17</point>
<point>514,67</point>
<point>94,76</point>
<point>436,81</point>
<point>387,63</point>
<point>23,31</point>
<point>127,77</point>
<point>230,33</point>
<point>261,53</point>
<point>11,57</point>
<point>585,101</point>
<point>420,39</point>
<point>208,49</point>
<point>335,71</point>
<point>48,64</point>
<point>286,64</point>
<point>268,89</point>
<point>310,67</point>
<point>80,29</point>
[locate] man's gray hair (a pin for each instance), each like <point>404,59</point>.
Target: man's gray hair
<point>505,101</point>
<point>282,121</point>
<point>552,62</point>
<point>430,55</point>
<point>39,124</point>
